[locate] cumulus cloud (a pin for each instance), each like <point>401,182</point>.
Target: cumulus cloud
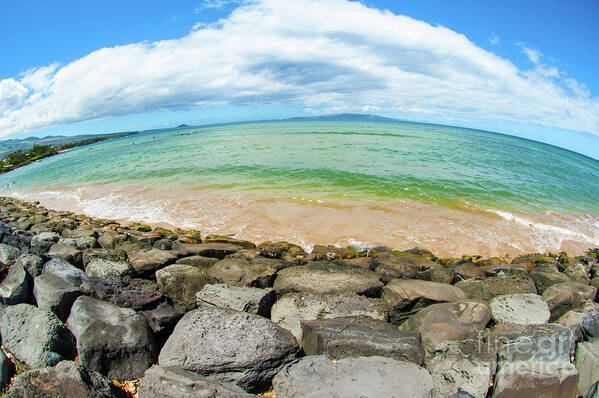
<point>494,40</point>
<point>320,54</point>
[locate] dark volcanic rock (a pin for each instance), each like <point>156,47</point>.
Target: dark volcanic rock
<point>35,336</point>
<point>258,272</point>
<point>67,253</point>
<point>32,263</point>
<point>67,379</point>
<point>360,336</point>
<point>486,289</point>
<point>216,250</point>
<point>566,296</point>
<point>55,294</point>
<point>545,275</point>
<point>41,242</point>
<point>127,292</point>
<point>8,254</point>
<point>245,299</point>
<point>404,265</point>
<point>162,320</point>
<point>317,376</point>
<point>327,278</point>
<point>101,268</point>
<point>16,288</point>
<point>145,261</point>
<point>62,269</point>
<point>113,341</point>
<point>198,261</point>
<point>231,346</point>
<point>172,382</point>
<point>7,370</point>
<point>181,283</point>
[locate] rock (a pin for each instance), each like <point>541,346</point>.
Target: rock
<point>439,274</point>
<point>593,391</point>
<point>173,382</point>
<point>577,272</point>
<point>32,335</point>
<point>229,345</point>
<point>402,265</point>
<point>258,272</point>
<point>216,250</point>
<point>67,379</point>
<point>546,275</point>
<point>245,299</point>
<point>7,370</point>
<point>443,322</point>
<point>113,341</point>
<point>146,261</point>
<point>228,239</point>
<point>279,249</point>
<point>62,269</point>
<point>360,336</point>
<point>84,232</point>
<point>41,242</point>
<point>326,278</point>
<point>181,283</point>
<point>461,366</point>
<point>587,363</point>
<point>16,288</point>
<point>331,253</point>
<point>292,308</point>
<point>117,255</point>
<point>163,244</point>
<point>8,254</point>
<point>566,296</point>
<point>532,380</point>
<point>521,309</point>
<point>318,376</point>
<point>55,294</point>
<point>468,270</point>
<point>132,293</point>
<point>198,261</point>
<point>67,253</point>
<point>32,263</point>
<point>162,320</point>
<point>404,297</point>
<point>505,270</point>
<point>107,241</point>
<point>486,289</point>
<point>81,243</point>
<point>100,268</point>
<point>18,239</point>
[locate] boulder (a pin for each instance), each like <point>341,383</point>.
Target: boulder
<point>32,263</point>
<point>34,336</point>
<point>7,370</point>
<point>147,261</point>
<point>8,254</point>
<point>173,382</point>
<point>181,283</point>
<point>566,296</point>
<point>228,239</point>
<point>229,345</point>
<point>392,265</point>
<point>79,243</point>
<point>532,380</point>
<point>55,295</point>
<point>16,287</point>
<point>330,253</point>
<point>587,363</point>
<point>62,269</point>
<point>134,293</point>
<point>360,337</point>
<point>258,272</point>
<point>461,366</point>
<point>163,244</point>
<point>107,241</point>
<point>440,275</point>
<point>117,255</point>
<point>545,275</point>
<point>245,299</point>
<point>405,297</point>
<point>468,270</point>
<point>486,289</point>
<point>453,321</point>
<point>577,272</point>
<point>101,268</point>
<point>216,250</point>
<point>292,308</point>
<point>67,253</point>
<point>521,309</point>
<point>318,376</point>
<point>67,379</point>
<point>41,242</point>
<point>327,278</point>
<point>162,320</point>
<point>198,261</point>
<point>279,249</point>
<point>111,340</point>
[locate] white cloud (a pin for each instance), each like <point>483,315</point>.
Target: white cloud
<point>494,40</point>
<point>216,4</point>
<point>322,54</point>
<point>533,55</point>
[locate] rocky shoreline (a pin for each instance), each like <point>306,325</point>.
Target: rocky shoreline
<point>92,308</point>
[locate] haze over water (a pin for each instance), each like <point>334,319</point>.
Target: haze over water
<point>398,184</point>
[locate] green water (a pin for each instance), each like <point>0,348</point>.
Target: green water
<point>331,159</point>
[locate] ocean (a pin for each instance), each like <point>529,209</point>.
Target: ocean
<point>363,183</point>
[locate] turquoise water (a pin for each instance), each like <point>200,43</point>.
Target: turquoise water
<point>325,160</point>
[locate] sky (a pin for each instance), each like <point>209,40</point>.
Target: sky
<point>524,68</point>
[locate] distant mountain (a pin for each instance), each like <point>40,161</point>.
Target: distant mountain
<point>353,117</point>
<point>182,126</point>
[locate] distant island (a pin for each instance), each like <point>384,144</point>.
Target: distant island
<point>28,154</point>
<point>353,117</point>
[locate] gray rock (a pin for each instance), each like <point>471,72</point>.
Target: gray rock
<point>327,278</point>
<point>135,293</point>
<point>67,253</point>
<point>181,283</point>
<point>563,297</point>
<point>111,255</point>
<point>67,379</point>
<point>216,250</point>
<point>443,322</point>
<point>229,345</point>
<point>8,254</point>
<point>292,308</point>
<point>113,341</point>
<point>245,299</point>
<point>317,376</point>
<point>41,242</point>
<point>80,243</point>
<point>163,244</point>
<point>62,269</point>
<point>198,261</point>
<point>486,289</point>
<point>577,272</point>
<point>587,363</point>
<point>145,261</point>
<point>7,370</point>
<point>172,382</point>
<point>521,309</point>
<point>16,288</point>
<point>461,366</point>
<point>403,265</point>
<point>360,337</point>
<point>55,294</point>
<point>162,320</point>
<point>32,263</point>
<point>405,297</point>
<point>107,241</point>
<point>533,380</point>
<point>31,334</point>
<point>101,268</point>
<point>546,275</point>
<point>258,272</point>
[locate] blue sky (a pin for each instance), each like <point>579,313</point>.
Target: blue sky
<point>525,68</point>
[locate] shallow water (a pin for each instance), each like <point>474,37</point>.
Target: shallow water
<point>401,184</point>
